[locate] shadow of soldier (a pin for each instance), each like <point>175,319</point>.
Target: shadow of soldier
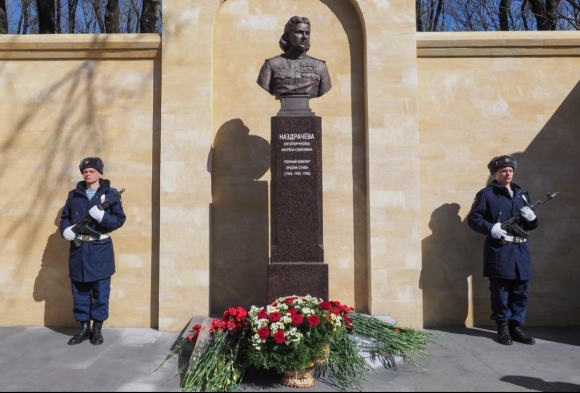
<point>448,262</point>
<point>52,285</point>
<point>540,385</point>
<point>239,218</point>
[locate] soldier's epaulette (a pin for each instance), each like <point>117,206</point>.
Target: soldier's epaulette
<point>485,189</point>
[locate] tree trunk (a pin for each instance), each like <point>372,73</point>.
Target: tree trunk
<point>418,12</point>
<point>112,24</point>
<point>46,23</point>
<point>149,16</point>
<point>503,14</point>
<point>3,18</point>
<point>72,11</point>
<point>545,13</point>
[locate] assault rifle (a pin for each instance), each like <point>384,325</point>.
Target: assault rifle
<point>513,223</point>
<point>82,227</point>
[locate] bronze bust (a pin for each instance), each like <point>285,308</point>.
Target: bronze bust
<point>294,72</point>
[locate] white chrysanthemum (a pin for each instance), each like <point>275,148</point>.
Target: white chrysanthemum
<point>270,309</point>
<point>307,311</point>
<point>287,319</point>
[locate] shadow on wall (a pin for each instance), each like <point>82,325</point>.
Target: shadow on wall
<point>239,218</point>
<point>52,285</point>
<point>450,257</point>
<point>454,252</point>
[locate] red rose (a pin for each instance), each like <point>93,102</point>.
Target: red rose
<point>264,332</point>
<point>335,303</point>
<point>313,320</point>
<point>274,317</point>
<point>263,314</point>
<point>325,306</point>
<point>297,319</point>
<point>292,310</point>
<point>279,336</point>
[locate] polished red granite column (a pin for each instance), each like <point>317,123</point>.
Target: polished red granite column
<point>297,253</point>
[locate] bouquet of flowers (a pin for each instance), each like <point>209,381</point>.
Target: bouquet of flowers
<point>293,334</point>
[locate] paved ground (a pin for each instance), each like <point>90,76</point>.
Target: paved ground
<point>38,359</point>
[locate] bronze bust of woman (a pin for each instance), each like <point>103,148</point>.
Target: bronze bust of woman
<point>294,72</point>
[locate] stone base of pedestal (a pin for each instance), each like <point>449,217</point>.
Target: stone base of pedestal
<point>295,278</point>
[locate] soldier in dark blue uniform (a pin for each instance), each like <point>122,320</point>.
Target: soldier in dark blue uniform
<point>506,256</point>
<point>93,263</point>
<point>294,72</point>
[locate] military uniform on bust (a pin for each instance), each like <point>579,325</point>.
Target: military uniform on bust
<point>303,75</point>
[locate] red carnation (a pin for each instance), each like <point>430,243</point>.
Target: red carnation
<point>264,332</point>
<point>313,320</point>
<point>218,325</point>
<point>335,303</point>
<point>289,300</point>
<point>325,306</point>
<point>241,314</point>
<point>292,310</point>
<point>262,314</point>
<point>297,319</point>
<point>279,336</point>
<point>274,317</point>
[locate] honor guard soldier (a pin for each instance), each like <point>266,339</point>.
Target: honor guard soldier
<point>506,257</point>
<point>91,258</point>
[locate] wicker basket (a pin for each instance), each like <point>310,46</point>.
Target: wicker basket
<point>298,379</point>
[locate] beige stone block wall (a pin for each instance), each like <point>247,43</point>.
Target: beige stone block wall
<point>63,98</point>
<point>482,95</point>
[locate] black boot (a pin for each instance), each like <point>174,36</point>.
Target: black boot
<point>518,334</point>
<point>82,335</point>
<point>96,335</point>
<point>503,334</point>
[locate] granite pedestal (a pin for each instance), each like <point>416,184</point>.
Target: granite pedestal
<point>297,264</point>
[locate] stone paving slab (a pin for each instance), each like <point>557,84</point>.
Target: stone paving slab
<point>38,359</point>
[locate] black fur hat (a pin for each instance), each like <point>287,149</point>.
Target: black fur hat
<point>499,162</point>
<point>92,162</point>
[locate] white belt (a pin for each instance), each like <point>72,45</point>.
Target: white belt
<point>514,239</point>
<point>87,238</point>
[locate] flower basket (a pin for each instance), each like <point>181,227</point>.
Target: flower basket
<point>298,379</point>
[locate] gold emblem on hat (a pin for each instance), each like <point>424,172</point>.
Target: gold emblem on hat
<point>507,159</point>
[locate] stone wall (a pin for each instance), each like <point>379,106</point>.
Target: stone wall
<point>408,128</point>
<point>63,98</point>
<point>488,94</point>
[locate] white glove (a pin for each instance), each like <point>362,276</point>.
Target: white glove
<point>497,232</point>
<point>96,213</point>
<point>68,234</point>
<point>528,213</point>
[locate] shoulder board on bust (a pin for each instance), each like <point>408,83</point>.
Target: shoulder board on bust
<point>272,58</point>
<point>314,58</point>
